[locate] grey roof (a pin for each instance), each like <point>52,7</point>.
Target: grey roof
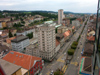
<point>19,38</point>
<point>8,67</point>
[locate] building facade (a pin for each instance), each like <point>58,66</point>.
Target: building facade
<point>25,32</point>
<point>46,41</point>
<point>20,43</point>
<point>60,16</point>
<point>30,65</point>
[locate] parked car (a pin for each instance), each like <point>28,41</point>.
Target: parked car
<point>51,72</point>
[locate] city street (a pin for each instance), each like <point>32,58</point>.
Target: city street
<point>74,65</point>
<point>60,62</point>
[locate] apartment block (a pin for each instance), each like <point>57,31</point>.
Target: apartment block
<point>46,41</point>
<point>20,43</point>
<point>60,16</point>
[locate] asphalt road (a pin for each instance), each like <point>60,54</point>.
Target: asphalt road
<point>59,62</point>
<point>74,64</point>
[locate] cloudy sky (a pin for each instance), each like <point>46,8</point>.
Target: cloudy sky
<point>82,6</point>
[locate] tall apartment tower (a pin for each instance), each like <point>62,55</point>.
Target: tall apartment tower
<point>46,41</point>
<point>60,16</point>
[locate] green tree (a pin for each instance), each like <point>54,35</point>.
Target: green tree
<point>10,34</point>
<point>14,34</point>
<point>11,19</point>
<point>58,72</point>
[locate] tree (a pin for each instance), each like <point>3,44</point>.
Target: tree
<point>10,34</point>
<point>30,35</point>
<point>11,19</point>
<point>58,72</point>
<point>14,34</point>
<point>70,51</point>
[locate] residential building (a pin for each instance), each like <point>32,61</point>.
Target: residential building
<point>26,31</point>
<point>85,66</point>
<point>31,65</point>
<point>3,50</point>
<point>11,23</point>
<point>2,71</point>
<point>8,40</point>
<point>60,16</point>
<point>66,22</point>
<point>75,23</point>
<point>60,38</point>
<point>57,46</point>
<point>61,29</point>
<point>32,49</point>
<point>67,35</point>
<point>20,43</point>
<point>5,19</point>
<point>10,68</point>
<point>46,41</point>
<point>88,50</point>
<point>2,24</point>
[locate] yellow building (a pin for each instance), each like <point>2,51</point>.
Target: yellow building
<point>4,24</point>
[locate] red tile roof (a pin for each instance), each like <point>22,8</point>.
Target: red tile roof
<point>9,40</point>
<point>79,19</point>
<point>73,27</point>
<point>91,38</point>
<point>67,33</point>
<point>23,60</point>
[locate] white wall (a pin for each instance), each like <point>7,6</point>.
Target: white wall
<point>20,45</point>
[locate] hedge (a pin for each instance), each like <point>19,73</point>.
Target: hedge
<point>73,46</point>
<point>75,43</point>
<point>70,51</point>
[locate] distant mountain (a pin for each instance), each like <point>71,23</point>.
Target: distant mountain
<point>44,11</point>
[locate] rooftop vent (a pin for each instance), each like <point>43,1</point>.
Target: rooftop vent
<point>14,62</point>
<point>12,52</point>
<point>16,55</point>
<point>20,56</point>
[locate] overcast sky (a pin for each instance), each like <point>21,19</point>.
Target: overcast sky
<point>81,6</point>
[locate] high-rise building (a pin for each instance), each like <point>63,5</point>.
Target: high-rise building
<point>60,16</point>
<point>96,56</point>
<point>46,41</point>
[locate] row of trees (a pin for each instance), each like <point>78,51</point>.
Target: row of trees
<point>73,48</point>
<point>18,25</point>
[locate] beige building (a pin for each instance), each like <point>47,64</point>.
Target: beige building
<point>10,68</point>
<point>60,16</point>
<point>61,29</point>
<point>46,41</point>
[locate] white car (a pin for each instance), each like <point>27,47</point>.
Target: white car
<point>51,72</point>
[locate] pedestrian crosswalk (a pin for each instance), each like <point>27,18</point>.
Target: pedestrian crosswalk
<point>64,68</point>
<point>74,63</point>
<point>60,59</point>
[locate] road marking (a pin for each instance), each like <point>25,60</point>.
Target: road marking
<point>74,63</point>
<point>60,59</point>
<point>48,73</point>
<point>63,67</point>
